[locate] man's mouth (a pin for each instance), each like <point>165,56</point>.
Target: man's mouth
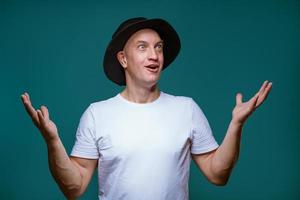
<point>152,68</point>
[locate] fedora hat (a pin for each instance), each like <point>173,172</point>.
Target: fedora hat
<point>112,67</point>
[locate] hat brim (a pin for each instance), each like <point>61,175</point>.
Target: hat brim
<point>113,69</point>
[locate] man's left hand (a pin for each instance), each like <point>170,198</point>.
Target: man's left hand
<point>243,110</point>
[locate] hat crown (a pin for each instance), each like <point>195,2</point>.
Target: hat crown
<point>128,23</point>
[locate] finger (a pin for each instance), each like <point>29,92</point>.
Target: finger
<point>263,87</point>
<point>254,100</point>
<point>260,92</point>
<point>27,95</point>
<point>239,98</point>
<point>41,118</point>
<point>29,108</point>
<point>267,89</point>
<point>25,98</point>
<point>264,95</point>
<point>45,112</point>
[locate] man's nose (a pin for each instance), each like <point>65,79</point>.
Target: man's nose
<point>153,54</point>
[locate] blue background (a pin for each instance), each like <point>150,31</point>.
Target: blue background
<point>54,51</point>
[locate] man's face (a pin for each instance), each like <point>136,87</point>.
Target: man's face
<point>142,58</point>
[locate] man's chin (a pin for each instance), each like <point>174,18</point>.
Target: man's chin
<point>151,82</point>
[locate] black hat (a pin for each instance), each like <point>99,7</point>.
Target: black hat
<point>113,69</point>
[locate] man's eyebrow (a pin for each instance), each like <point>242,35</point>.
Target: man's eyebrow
<point>141,41</point>
<point>160,42</point>
<point>144,42</point>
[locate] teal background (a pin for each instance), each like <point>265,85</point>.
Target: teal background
<point>54,51</point>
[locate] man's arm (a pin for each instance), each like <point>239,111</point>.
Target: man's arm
<point>72,174</point>
<point>218,164</point>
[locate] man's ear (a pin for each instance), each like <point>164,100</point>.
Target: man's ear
<point>122,59</point>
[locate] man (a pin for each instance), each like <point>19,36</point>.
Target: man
<point>142,139</point>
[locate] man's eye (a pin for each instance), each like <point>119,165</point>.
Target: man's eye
<point>141,47</point>
<point>159,46</point>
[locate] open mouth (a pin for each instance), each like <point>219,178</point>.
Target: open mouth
<point>152,68</point>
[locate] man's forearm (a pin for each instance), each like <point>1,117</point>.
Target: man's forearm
<point>65,173</point>
<point>227,154</point>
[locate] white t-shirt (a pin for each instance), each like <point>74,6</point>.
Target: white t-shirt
<point>144,150</point>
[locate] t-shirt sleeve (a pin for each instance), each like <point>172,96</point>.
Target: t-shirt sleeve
<point>201,134</point>
<point>85,144</point>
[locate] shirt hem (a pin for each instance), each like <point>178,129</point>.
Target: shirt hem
<point>205,150</point>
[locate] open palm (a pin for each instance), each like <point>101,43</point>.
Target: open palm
<point>40,119</point>
<point>243,110</point>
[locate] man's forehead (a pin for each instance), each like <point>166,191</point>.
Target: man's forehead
<point>145,34</point>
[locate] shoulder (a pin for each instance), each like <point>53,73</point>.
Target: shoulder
<point>178,99</point>
<point>102,105</point>
<point>183,101</point>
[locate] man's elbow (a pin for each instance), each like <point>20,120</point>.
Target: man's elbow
<point>72,191</point>
<point>219,181</point>
<point>221,178</point>
<point>72,195</point>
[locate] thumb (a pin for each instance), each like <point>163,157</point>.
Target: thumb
<point>239,98</point>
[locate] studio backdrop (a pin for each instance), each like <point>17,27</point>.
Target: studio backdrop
<point>54,51</point>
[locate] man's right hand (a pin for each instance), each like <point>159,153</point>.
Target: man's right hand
<point>72,174</point>
<point>41,119</point>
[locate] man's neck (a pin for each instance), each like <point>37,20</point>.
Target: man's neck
<point>141,95</point>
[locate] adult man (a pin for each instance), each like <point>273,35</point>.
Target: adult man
<point>142,139</point>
